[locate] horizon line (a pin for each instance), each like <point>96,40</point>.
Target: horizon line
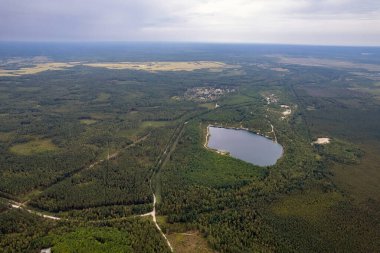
<point>185,42</point>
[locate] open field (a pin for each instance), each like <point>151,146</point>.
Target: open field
<point>188,242</point>
<point>87,121</point>
<point>34,147</point>
<point>160,66</point>
<point>147,124</point>
<point>38,68</point>
<point>209,106</point>
<point>146,66</point>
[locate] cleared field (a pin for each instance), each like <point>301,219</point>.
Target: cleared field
<point>209,106</point>
<point>87,121</point>
<point>182,239</point>
<point>160,66</point>
<point>147,66</point>
<point>189,242</point>
<point>34,147</point>
<point>146,124</point>
<point>142,128</point>
<point>38,68</point>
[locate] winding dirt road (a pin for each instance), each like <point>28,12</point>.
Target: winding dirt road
<point>153,214</point>
<point>18,205</point>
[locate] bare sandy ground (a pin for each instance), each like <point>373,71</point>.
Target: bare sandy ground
<point>322,141</point>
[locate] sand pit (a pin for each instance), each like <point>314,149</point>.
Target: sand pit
<point>322,141</point>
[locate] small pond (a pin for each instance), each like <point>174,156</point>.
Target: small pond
<point>244,145</point>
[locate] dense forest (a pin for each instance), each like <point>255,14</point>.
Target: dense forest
<point>85,151</point>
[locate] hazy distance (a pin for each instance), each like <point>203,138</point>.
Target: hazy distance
<point>322,22</point>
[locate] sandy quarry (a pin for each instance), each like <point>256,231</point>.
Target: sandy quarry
<point>287,111</point>
<point>322,141</point>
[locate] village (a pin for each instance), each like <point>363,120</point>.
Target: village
<point>206,94</point>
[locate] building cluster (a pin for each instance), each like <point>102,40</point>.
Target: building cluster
<point>206,94</point>
<point>271,99</point>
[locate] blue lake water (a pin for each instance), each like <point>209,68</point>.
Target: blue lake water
<point>245,145</point>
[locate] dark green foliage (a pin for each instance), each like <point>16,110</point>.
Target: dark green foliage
<point>21,174</point>
<point>19,229</point>
<point>341,152</point>
<point>133,235</point>
<point>87,113</point>
<point>120,181</point>
<point>107,212</point>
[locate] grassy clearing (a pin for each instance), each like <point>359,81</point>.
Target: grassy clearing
<point>30,195</point>
<point>160,66</point>
<point>236,99</point>
<point>135,132</point>
<point>101,116</point>
<point>147,124</point>
<point>182,239</point>
<point>209,106</point>
<point>88,121</point>
<point>188,242</point>
<point>34,147</point>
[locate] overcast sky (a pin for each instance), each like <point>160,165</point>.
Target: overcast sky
<point>342,22</point>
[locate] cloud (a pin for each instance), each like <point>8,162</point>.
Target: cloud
<point>275,21</point>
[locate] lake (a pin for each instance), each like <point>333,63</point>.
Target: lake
<point>244,145</point>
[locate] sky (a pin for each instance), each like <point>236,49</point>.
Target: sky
<point>317,22</point>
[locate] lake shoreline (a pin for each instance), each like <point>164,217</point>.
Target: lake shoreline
<point>212,149</point>
<point>239,128</point>
<point>263,137</point>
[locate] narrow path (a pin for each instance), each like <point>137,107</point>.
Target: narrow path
<point>274,133</point>
<point>169,149</point>
<point>153,214</point>
<point>113,155</point>
<point>18,205</point>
